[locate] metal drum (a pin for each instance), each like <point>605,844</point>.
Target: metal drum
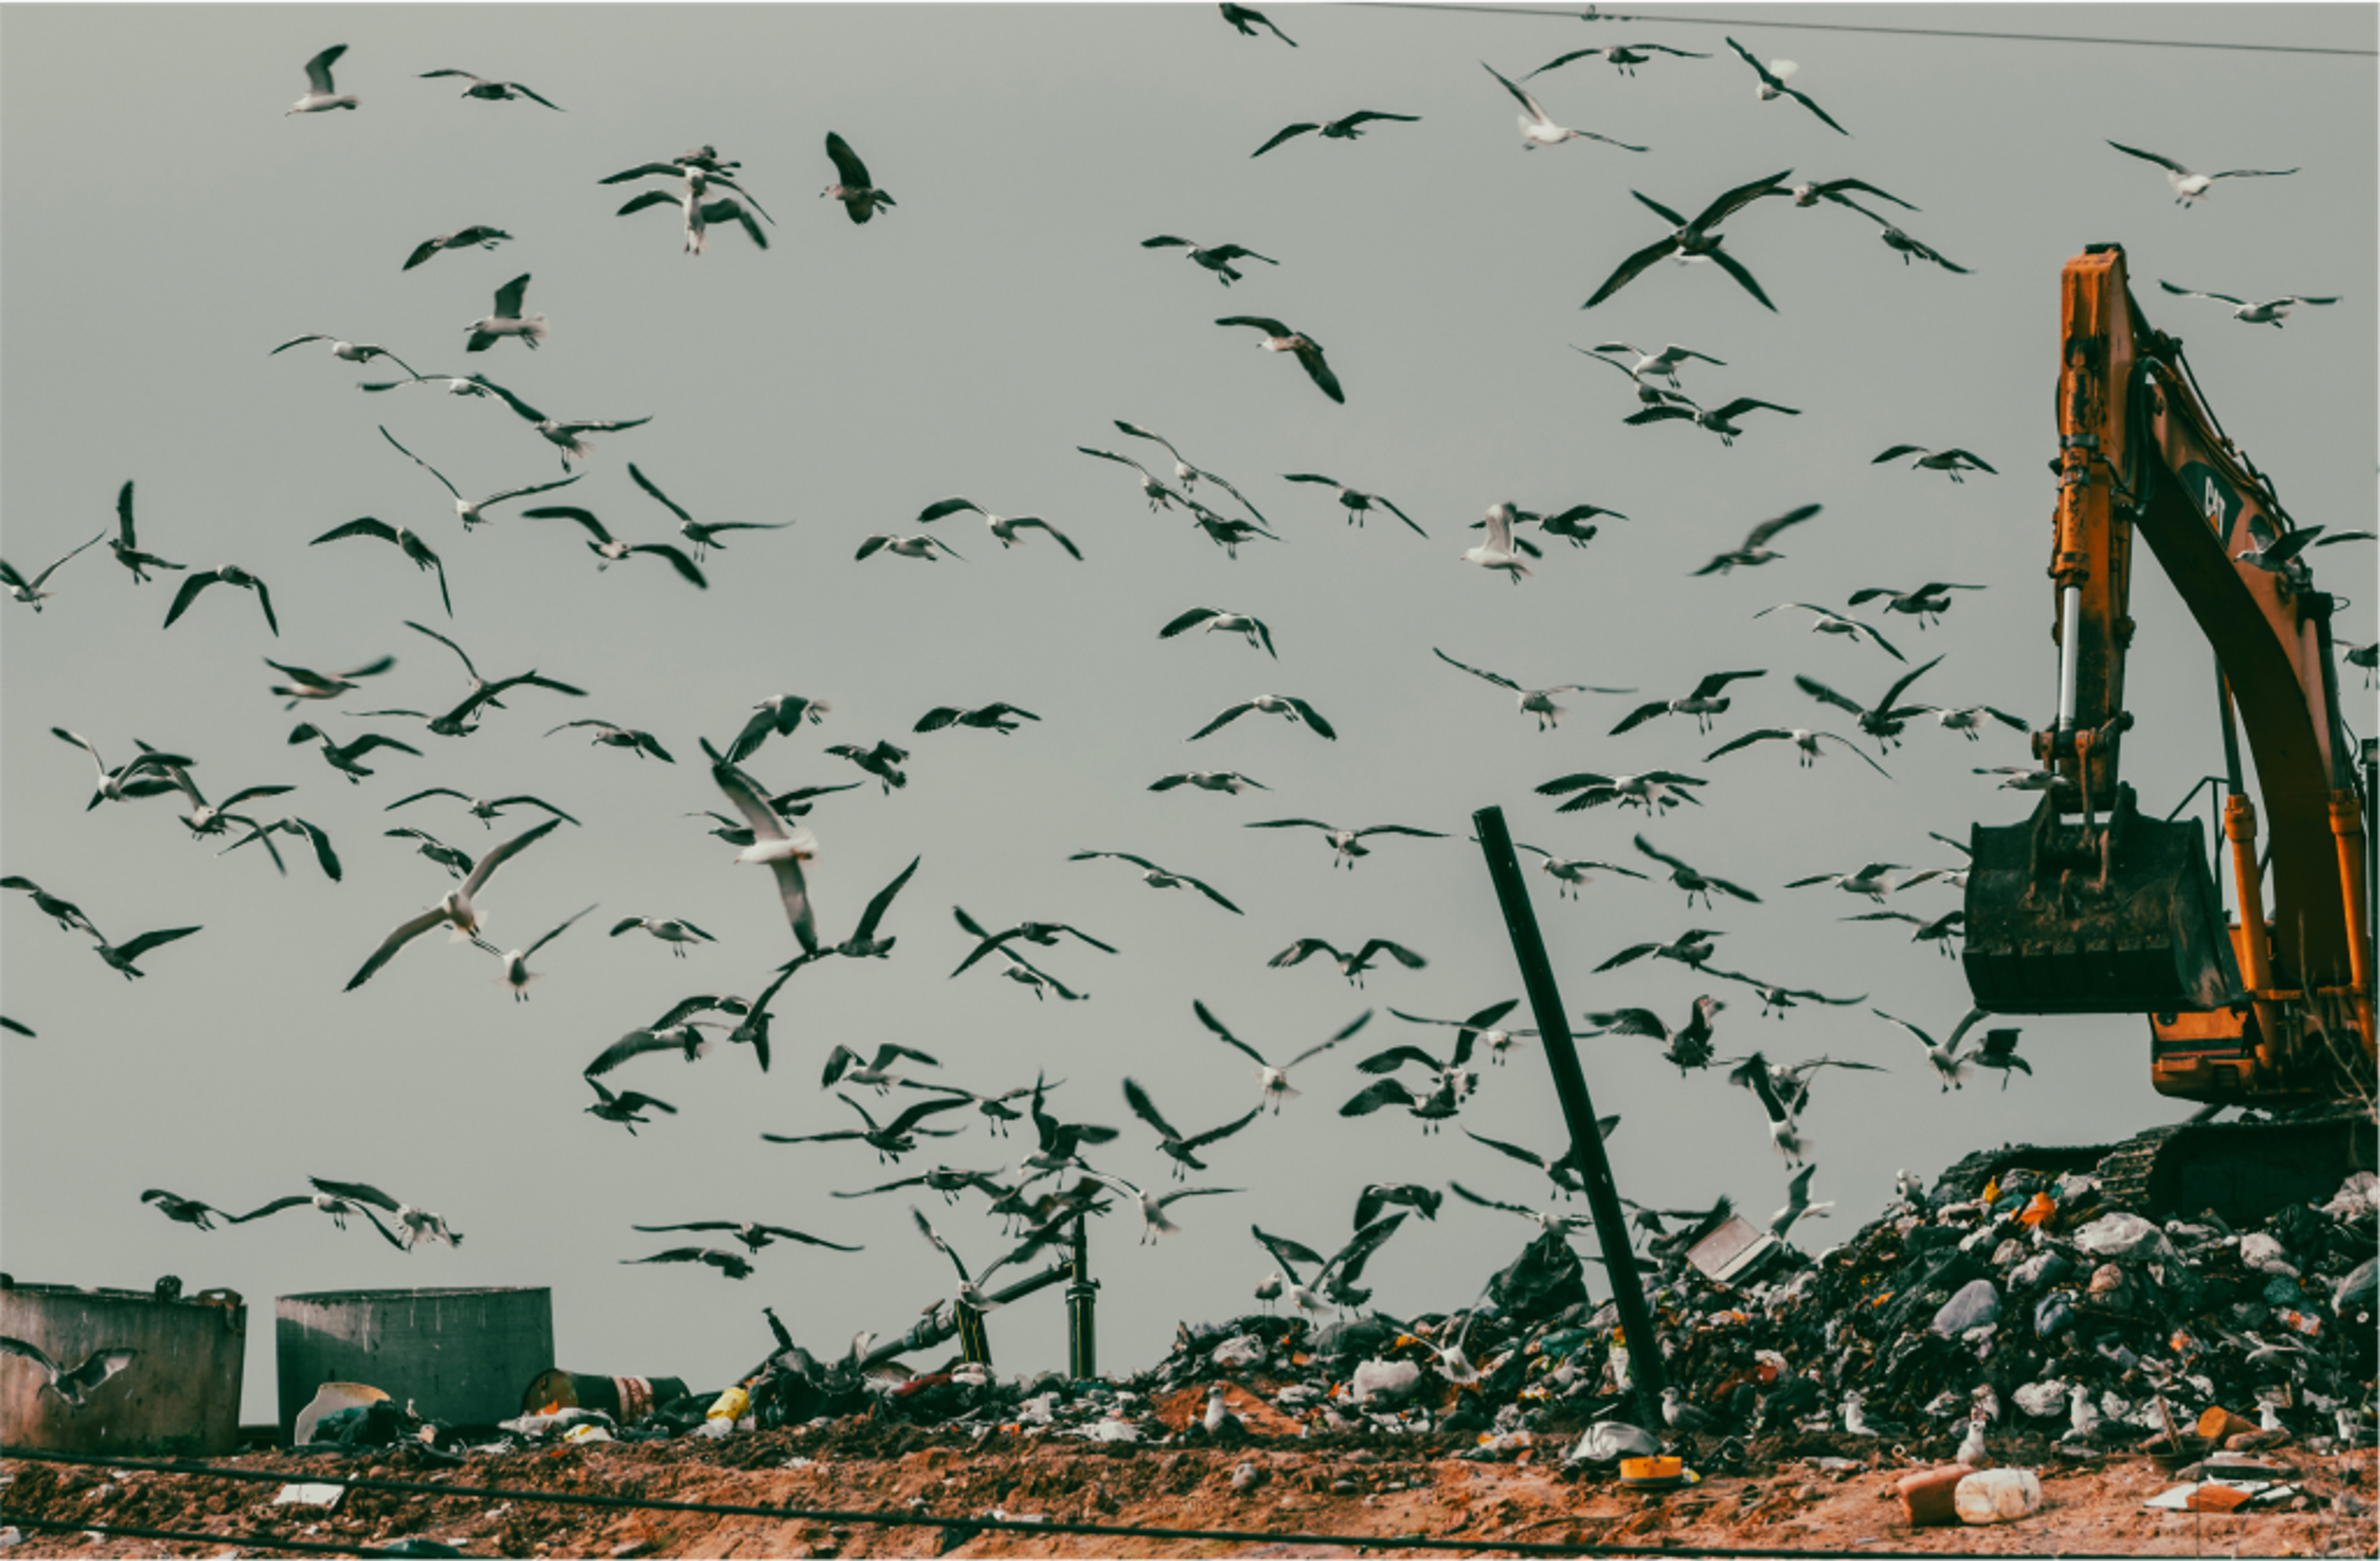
<point>458,1355</point>
<point>625,1399</point>
<point>180,1398</point>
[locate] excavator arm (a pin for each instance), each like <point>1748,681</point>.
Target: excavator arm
<point>2117,912</point>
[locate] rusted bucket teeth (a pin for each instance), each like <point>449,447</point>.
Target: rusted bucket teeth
<point>2124,919</point>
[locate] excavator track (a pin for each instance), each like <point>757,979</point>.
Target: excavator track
<point>2241,1170</point>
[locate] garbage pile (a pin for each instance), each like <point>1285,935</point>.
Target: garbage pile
<point>2028,1310</point>
<point>2055,1316</point>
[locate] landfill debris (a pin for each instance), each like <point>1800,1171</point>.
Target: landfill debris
<point>1928,1498</point>
<point>1998,1496</point>
<point>327,1497</point>
<point>328,1399</point>
<point>2221,1495</point>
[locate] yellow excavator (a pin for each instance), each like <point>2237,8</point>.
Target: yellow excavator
<point>2091,907</point>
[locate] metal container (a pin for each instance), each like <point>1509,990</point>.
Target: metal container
<point>179,1399</point>
<point>459,1354</point>
<point>625,1399</point>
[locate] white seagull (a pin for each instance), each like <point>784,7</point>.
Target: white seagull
<point>469,512</point>
<point>564,435</point>
<point>1211,619</point>
<point>1157,877</point>
<point>1831,622</point>
<point>1498,551</point>
<point>1950,462</point>
<point>1230,781</point>
<point>1354,501</point>
<point>2188,188</point>
<point>1278,337</point>
<point>1347,844</point>
<point>1288,706</point>
<point>2272,312</point>
<point>350,351</point>
<point>506,319</point>
<point>72,1386</point>
<point>459,908</point>
<point>319,93</point>
<point>923,545</point>
<point>1948,1065</point>
<point>1272,1080</point>
<point>1569,873</point>
<point>1537,127</point>
<point>1705,702</point>
<point>785,851</point>
<point>1773,77</point>
<point>1802,739</point>
<point>517,977</point>
<point>1538,703</point>
<point>1004,527</point>
<point>30,591</point>
<point>492,92</point>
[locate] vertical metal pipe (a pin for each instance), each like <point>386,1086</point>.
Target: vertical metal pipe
<point>1082,1331</point>
<point>1578,1109</point>
<point>975,1339</point>
<point>2070,652</point>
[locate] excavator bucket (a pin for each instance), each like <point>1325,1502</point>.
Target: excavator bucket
<point>2123,919</point>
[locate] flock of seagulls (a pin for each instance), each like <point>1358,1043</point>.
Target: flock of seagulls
<point>768,827</point>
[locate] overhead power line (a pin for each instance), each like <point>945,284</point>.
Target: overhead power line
<point>1591,14</point>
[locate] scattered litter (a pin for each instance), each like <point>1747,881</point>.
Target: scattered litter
<point>327,1497</point>
<point>1998,1496</point>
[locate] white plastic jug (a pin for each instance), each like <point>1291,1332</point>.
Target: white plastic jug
<point>1998,1496</point>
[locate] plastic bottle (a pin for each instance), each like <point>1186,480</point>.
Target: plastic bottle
<point>1998,1496</point>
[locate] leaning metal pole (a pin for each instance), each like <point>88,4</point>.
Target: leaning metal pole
<point>1570,1083</point>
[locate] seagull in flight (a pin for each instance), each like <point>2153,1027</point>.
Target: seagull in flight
<point>319,93</point>
<point>418,1225</point>
<point>1874,880</point>
<point>697,213</point>
<point>1810,194</point>
<point>1689,1047</point>
<point>1706,700</point>
<point>229,574</point>
<point>1659,365</point>
<point>1346,843</point>
<point>312,833</point>
<point>1186,476</point>
<point>751,1233</point>
<point>1692,882</point>
<point>1784,1135</point>
<point>2272,312</point>
<point>74,1386</point>
<point>1653,790</point>
<point>506,319</point>
<point>1350,127</point>
<point>487,810</point>
<point>1230,781</point>
<point>1885,721</point>
<point>970,1294</point>
<point>624,1108</point>
<point>1950,462</point>
<point>458,909</point>
<point>1967,720</point>
<point>1214,618</point>
<point>676,933</point>
<point>1538,703</point>
<point>844,1063</point>
<point>1537,127</point>
<point>480,234</point>
<point>127,550</point>
<point>351,352</point>
<point>30,591</point>
<point>1351,966</point>
<point>1773,77</point>
<point>2189,189</point>
<point>1356,503</point>
<point>1184,1152</point>
<point>1941,932</point>
<point>564,435</point>
<point>1831,622</point>
<point>704,536</point>
<point>1569,873</point>
<point>1288,706</point>
<point>343,759</point>
<point>785,851</point>
<point>1157,877</point>
<point>1246,20</point>
<point>1929,601</point>
<point>781,713</point>
<point>1902,243</point>
<point>1278,337</point>
<point>1719,420</point>
<point>1798,1206</point>
<point>1949,1066</point>
<point>860,198</point>
<point>1700,237</point>
<point>1755,549</point>
<point>1000,717</point>
<point>1004,527</point>
<point>1044,934</point>
<point>1331,1278</point>
<point>1774,1000</point>
<point>610,550</point>
<point>1272,1080</point>
<point>1500,551</point>
<point>472,513</point>
<point>892,1140</point>
<point>492,92</point>
<point>68,915</point>
<point>1216,258</point>
<point>407,541</point>
<point>1625,58</point>
<point>126,782</point>
<point>517,977</point>
<point>1690,948</point>
<point>119,957</point>
<point>1805,743</point>
<point>923,545</point>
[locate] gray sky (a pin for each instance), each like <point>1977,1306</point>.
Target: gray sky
<point>165,226</point>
